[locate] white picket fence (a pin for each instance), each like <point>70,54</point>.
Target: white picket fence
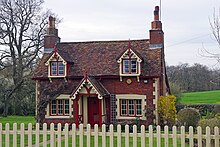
<point>34,136</point>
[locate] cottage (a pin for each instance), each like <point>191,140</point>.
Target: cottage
<point>98,82</point>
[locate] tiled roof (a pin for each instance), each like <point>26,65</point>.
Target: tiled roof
<point>100,58</point>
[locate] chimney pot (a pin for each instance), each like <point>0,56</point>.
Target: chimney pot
<point>156,13</point>
<point>51,22</point>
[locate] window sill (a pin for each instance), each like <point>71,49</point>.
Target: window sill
<point>131,117</point>
<point>58,116</point>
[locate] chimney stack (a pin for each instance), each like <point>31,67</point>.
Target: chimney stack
<point>51,38</point>
<point>156,32</point>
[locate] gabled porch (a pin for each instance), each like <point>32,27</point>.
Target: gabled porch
<point>89,102</point>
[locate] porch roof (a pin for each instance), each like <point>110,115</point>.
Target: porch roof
<point>96,85</point>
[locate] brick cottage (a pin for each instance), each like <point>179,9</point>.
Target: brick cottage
<point>98,82</point>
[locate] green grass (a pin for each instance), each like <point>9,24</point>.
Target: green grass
<point>18,120</point>
<point>206,97</point>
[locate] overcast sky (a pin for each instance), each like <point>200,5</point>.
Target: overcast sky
<point>185,24</point>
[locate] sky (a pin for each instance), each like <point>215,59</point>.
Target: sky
<point>186,24</point>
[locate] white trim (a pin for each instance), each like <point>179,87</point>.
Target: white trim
<point>87,85</point>
<point>52,58</point>
<point>133,56</point>
<point>63,97</point>
<point>130,96</point>
<point>155,100</point>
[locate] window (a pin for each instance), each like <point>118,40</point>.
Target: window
<point>60,107</point>
<point>131,107</point>
<point>57,68</point>
<point>129,66</point>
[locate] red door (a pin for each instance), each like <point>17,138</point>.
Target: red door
<point>93,110</point>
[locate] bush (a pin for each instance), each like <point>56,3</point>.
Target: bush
<point>213,122</point>
<point>167,110</point>
<point>188,117</point>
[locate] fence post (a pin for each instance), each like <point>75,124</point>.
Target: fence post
<point>143,136</point>
<point>74,135</point>
<point>118,135</point>
<point>22,134</point>
<point>134,135</point>
<point>199,133</point>
<point>66,134</point>
<point>37,134</point>
<point>166,137</point>
<point>88,135</point>
<point>59,134</point>
<point>29,134</point>
<point>14,134</point>
<point>158,137</point>
<point>44,135</point>
<point>96,135</point>
<point>182,130</point>
<point>191,138</point>
<point>216,132</point>
<point>111,137</point>
<point>52,139</point>
<point>208,138</point>
<point>81,135</point>
<point>150,136</point>
<point>103,135</point>
<point>174,136</point>
<point>7,141</point>
<point>0,134</point>
<point>126,135</point>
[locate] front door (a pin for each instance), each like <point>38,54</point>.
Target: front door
<point>93,110</point>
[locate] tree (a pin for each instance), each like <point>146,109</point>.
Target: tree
<point>215,28</point>
<point>22,27</point>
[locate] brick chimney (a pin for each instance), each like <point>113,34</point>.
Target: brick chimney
<point>156,32</point>
<point>51,38</point>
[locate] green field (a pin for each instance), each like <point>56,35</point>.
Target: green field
<point>206,97</point>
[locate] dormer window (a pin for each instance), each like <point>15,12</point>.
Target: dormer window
<point>129,63</point>
<point>57,68</point>
<point>129,66</point>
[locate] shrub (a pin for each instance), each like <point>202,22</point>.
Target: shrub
<point>167,109</point>
<point>188,117</point>
<point>213,122</point>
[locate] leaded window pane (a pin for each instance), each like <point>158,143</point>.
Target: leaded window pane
<point>54,68</point>
<point>138,107</point>
<point>60,68</point>
<point>53,107</point>
<point>60,107</point>
<point>126,65</point>
<point>133,66</point>
<point>131,107</point>
<point>123,107</point>
<point>66,106</point>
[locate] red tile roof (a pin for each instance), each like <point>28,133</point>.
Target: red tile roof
<point>100,58</point>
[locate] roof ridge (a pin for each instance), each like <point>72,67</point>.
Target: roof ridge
<point>103,41</point>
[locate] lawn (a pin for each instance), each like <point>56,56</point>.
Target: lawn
<point>206,97</point>
<point>18,120</point>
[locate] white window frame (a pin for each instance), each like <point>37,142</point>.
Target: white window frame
<point>120,97</point>
<point>62,97</point>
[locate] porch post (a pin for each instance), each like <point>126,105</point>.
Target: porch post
<point>77,111</point>
<point>100,112</point>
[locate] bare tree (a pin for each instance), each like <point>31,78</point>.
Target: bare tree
<point>22,27</point>
<point>215,28</point>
